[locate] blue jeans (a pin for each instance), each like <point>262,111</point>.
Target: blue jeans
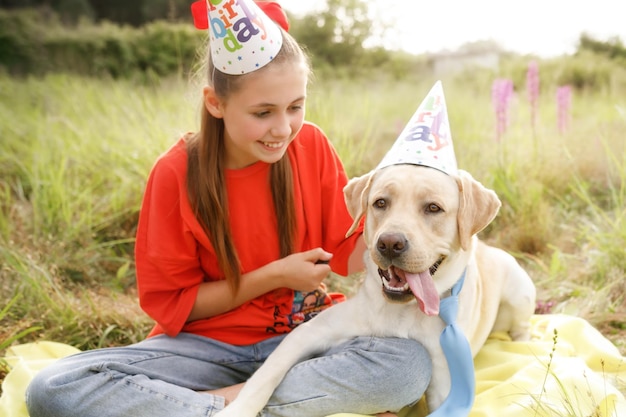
<point>160,376</point>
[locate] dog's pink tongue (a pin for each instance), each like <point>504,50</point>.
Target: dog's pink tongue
<point>423,288</point>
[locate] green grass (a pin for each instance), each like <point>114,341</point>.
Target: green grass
<point>74,158</point>
<point>75,154</point>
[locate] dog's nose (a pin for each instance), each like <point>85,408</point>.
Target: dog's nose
<point>392,245</point>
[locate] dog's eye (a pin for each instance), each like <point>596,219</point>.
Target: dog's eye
<point>381,203</point>
<point>433,208</point>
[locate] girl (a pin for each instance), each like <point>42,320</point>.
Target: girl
<point>237,222</point>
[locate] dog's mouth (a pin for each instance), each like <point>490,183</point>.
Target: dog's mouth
<point>402,286</point>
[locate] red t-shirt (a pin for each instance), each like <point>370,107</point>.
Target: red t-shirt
<point>174,256</point>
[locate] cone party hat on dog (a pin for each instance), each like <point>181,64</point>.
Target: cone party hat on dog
<point>242,37</point>
<point>426,139</point>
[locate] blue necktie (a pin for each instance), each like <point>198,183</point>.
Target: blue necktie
<point>459,356</point>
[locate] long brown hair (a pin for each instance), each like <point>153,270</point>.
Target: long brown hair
<point>206,183</point>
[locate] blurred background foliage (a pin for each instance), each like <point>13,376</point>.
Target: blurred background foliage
<point>146,39</point>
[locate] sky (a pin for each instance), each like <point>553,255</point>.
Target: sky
<point>546,28</point>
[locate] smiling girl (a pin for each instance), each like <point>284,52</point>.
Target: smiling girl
<point>233,223</point>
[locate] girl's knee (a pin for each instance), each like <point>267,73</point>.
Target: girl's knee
<point>53,392</point>
<point>419,369</point>
<point>40,402</point>
<point>409,369</point>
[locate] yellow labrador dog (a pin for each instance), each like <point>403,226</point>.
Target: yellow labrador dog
<point>420,230</point>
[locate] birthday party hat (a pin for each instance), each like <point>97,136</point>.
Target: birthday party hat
<point>426,139</point>
<point>242,37</point>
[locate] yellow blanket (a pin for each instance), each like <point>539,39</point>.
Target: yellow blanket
<point>573,372</point>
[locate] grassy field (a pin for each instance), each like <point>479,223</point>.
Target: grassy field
<point>75,154</point>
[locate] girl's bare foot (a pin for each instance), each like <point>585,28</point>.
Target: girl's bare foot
<point>229,393</point>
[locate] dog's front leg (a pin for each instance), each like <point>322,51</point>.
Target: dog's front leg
<point>302,343</point>
<point>439,386</point>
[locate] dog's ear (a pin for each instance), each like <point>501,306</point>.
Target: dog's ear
<point>355,193</point>
<point>478,206</point>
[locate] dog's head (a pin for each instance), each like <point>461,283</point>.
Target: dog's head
<point>418,220</point>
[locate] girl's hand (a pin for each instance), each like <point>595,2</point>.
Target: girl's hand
<point>298,272</point>
<point>304,271</point>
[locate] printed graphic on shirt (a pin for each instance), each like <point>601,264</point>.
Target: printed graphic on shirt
<point>310,304</point>
<point>306,305</point>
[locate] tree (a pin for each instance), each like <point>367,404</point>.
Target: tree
<point>335,35</point>
<point>135,12</point>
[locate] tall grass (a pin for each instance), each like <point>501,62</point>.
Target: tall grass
<point>75,154</point>
<point>73,161</point>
